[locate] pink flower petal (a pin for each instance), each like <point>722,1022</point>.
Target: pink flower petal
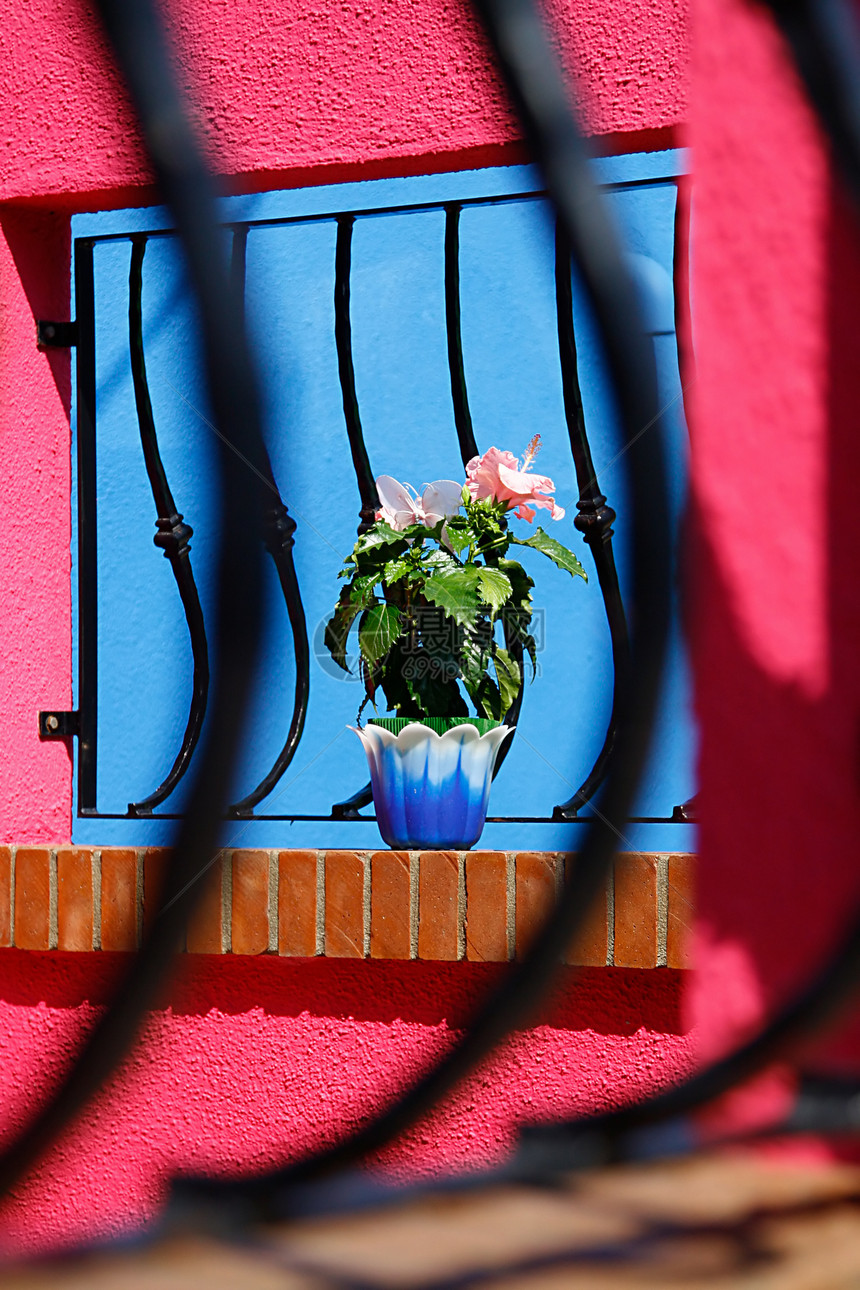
<point>398,508</point>
<point>441,500</point>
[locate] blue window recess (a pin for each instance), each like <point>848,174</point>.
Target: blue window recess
<point>134,664</point>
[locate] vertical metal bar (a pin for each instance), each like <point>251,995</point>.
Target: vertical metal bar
<point>358,448</point>
<point>463,420</point>
<point>85,377</point>
<point>459,394</point>
<point>238,269</point>
<point>172,536</point>
<point>687,812</point>
<point>346,371</point>
<point>278,534</point>
<point>594,522</point>
<point>681,284</point>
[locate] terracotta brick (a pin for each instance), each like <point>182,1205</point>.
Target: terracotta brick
<point>204,934</point>
<point>590,946</point>
<point>535,896</point>
<point>389,905</point>
<point>155,863</point>
<point>681,901</point>
<point>74,899</point>
<point>297,903</point>
<point>32,898</point>
<point>486,907</point>
<point>438,906</point>
<point>344,905</point>
<point>635,911</point>
<point>250,921</point>
<point>119,899</point>
<point>5,896</point>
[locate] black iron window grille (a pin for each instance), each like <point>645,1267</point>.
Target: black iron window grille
<point>481,246</point>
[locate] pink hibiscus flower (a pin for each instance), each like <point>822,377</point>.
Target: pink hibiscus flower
<point>401,506</point>
<point>498,475</point>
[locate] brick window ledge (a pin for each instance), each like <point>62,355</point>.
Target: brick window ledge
<point>481,906</point>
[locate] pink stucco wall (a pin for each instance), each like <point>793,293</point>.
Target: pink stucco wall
<point>776,274</point>
<point>248,1061</point>
<point>282,86</point>
<point>35,478</point>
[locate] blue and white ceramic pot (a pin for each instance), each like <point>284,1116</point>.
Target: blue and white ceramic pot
<point>431,786</point>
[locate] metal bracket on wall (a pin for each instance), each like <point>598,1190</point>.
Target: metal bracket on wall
<point>688,812</point>
<point>56,335</point>
<point>59,725</point>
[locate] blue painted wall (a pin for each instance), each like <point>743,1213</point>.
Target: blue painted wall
<point>398,316</point>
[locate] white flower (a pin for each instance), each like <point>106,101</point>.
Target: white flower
<point>401,506</point>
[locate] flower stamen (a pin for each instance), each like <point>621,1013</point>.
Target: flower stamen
<point>532,451</point>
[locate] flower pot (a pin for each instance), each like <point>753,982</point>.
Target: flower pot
<point>431,786</point>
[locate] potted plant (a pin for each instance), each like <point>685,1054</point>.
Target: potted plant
<point>444,617</point>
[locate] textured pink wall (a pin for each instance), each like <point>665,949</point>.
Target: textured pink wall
<point>250,1055</point>
<point>250,1060</point>
<point>776,460</point>
<point>283,85</point>
<point>35,485</point>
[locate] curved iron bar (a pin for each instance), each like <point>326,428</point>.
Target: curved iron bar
<point>346,372</point>
<point>594,521</point>
<point>681,286</point>
<point>135,34</point>
<point>542,98</point>
<point>459,393</point>
<point>465,430</point>
<point>684,812</point>
<point>278,530</point>
<point>349,808</point>
<point>823,37</point>
<point>173,537</point>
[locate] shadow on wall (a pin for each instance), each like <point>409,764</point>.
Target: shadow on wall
<point>607,1001</point>
<point>41,245</point>
<point>778,880</point>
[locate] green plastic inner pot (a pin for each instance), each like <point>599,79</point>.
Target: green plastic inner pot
<point>439,724</point>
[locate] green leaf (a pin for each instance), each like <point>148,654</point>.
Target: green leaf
<point>530,646</point>
<point>360,590</point>
<point>516,615</point>
<point>487,699</point>
<point>494,587</point>
<point>415,531</point>
<point>369,676</point>
<point>438,562</point>
<point>474,656</point>
<point>394,685</point>
<point>374,548</point>
<point>540,541</point>
<point>417,684</point>
<point>455,591</point>
<point>508,677</point>
<point>475,646</point>
<point>337,630</point>
<point>521,583</point>
<point>394,570</point>
<point>435,692</point>
<point>381,534</point>
<point>459,538</point>
<point>377,631</point>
